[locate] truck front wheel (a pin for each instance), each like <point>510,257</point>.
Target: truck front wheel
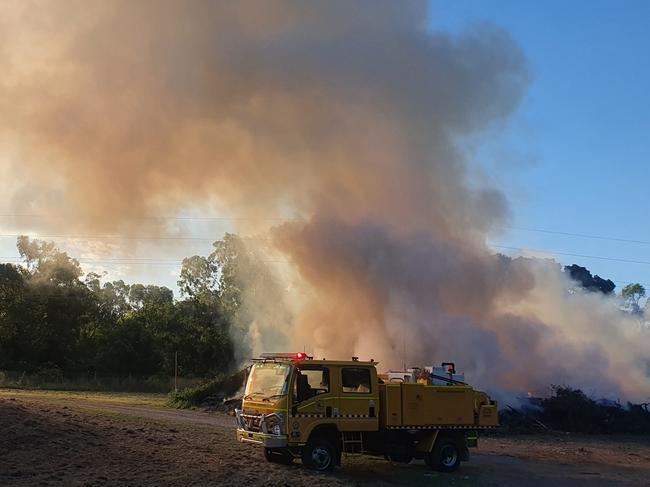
<point>278,455</point>
<point>445,456</point>
<point>319,454</point>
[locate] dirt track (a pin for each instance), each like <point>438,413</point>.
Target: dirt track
<point>68,440</point>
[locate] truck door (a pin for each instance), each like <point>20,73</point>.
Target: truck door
<point>313,398</point>
<point>359,399</point>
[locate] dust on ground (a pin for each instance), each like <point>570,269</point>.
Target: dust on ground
<point>95,440</point>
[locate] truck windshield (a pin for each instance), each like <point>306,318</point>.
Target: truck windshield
<point>267,380</point>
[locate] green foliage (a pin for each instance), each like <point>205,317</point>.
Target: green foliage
<point>198,278</point>
<point>52,320</point>
<point>587,281</point>
<point>631,294</point>
<point>44,261</point>
<point>224,386</point>
<point>235,273</point>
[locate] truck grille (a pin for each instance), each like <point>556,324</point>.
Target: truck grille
<point>252,421</point>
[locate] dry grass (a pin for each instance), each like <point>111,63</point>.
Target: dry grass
<point>132,399</point>
<point>93,439</point>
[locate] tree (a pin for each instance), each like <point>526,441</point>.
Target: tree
<point>198,278</point>
<point>632,294</point>
<point>12,290</point>
<point>141,295</point>
<point>249,293</point>
<point>589,282</point>
<point>52,319</point>
<point>43,260</point>
<point>233,261</point>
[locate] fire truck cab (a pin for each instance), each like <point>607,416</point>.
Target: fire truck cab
<point>295,406</point>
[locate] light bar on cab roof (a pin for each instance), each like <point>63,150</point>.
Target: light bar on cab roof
<point>287,356</point>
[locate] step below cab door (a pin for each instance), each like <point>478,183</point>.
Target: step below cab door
<point>359,399</point>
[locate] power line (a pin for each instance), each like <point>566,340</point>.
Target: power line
<point>581,235</point>
<point>127,261</point>
<point>520,249</point>
<point>110,259</point>
<point>630,282</point>
<point>117,237</point>
<point>124,237</point>
<point>171,218</point>
<point>178,262</point>
<point>233,218</point>
<point>212,239</point>
<point>14,260</point>
<point>188,238</point>
<point>615,259</point>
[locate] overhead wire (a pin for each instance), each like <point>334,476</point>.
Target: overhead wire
<point>234,218</point>
<point>581,235</point>
<point>570,254</point>
<point>153,261</point>
<point>177,218</point>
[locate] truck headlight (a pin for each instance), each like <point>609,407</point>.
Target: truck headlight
<point>274,423</point>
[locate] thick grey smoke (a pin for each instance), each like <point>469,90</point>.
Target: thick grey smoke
<point>343,116</point>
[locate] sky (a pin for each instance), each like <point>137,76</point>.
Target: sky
<point>574,158</point>
<point>571,160</point>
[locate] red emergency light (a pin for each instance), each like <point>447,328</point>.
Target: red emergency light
<point>299,356</point>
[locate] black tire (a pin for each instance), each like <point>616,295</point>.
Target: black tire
<point>319,454</point>
<point>445,456</point>
<point>278,455</point>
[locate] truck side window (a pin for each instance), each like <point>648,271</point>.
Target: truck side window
<point>356,379</point>
<point>311,382</point>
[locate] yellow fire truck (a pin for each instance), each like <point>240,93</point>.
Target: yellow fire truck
<point>297,407</point>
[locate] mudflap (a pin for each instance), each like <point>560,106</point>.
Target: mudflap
<point>464,454</point>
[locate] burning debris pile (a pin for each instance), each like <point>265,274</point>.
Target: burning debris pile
<point>345,120</point>
<point>571,410</point>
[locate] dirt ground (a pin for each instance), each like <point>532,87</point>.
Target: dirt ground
<point>73,439</point>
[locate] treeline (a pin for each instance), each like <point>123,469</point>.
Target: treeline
<point>55,319</point>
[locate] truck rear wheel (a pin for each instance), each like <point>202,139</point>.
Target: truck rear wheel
<point>278,455</point>
<point>319,454</point>
<point>445,456</point>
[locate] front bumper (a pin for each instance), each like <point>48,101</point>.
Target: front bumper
<point>263,436</point>
<point>265,439</point>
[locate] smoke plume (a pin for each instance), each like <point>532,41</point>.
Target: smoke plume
<point>342,117</point>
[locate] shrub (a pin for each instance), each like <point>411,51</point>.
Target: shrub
<point>224,387</point>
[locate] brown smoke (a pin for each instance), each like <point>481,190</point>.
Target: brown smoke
<point>343,116</point>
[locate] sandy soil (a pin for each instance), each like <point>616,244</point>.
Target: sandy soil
<point>91,440</point>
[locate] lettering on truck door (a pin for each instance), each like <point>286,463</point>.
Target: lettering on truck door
<point>359,399</point>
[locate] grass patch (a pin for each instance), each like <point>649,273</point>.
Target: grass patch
<point>54,379</point>
<point>117,398</point>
